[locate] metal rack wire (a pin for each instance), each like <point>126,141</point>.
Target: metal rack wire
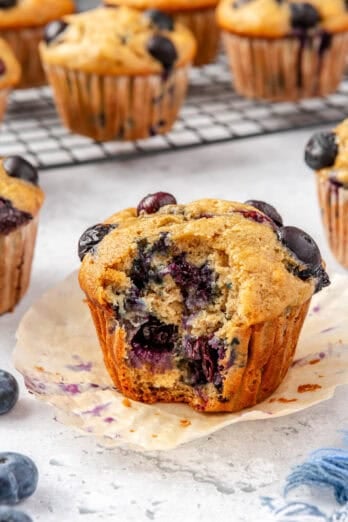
<point>213,113</point>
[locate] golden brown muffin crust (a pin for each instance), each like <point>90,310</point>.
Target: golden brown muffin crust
<point>272,19</point>
<point>33,13</point>
<point>120,48</point>
<point>165,5</point>
<point>23,195</point>
<point>12,70</point>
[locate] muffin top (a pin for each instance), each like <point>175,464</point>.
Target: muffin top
<point>20,196</point>
<point>32,13</point>
<point>164,5</point>
<point>327,153</point>
<point>10,71</point>
<point>269,267</point>
<point>118,41</point>
<point>277,18</point>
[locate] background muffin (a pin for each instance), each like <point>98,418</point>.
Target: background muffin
<point>20,202</point>
<point>116,73</point>
<point>200,303</point>
<point>196,15</point>
<point>327,153</point>
<point>21,25</point>
<point>285,50</point>
<point>10,74</point>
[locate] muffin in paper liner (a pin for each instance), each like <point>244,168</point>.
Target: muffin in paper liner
<point>333,199</point>
<point>118,107</point>
<point>268,349</point>
<point>287,68</point>
<point>63,366</point>
<point>17,250</point>
<point>20,202</point>
<point>25,45</point>
<point>202,24</point>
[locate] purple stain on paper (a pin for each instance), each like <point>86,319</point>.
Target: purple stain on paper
<point>70,388</point>
<point>327,330</point>
<point>316,309</point>
<point>81,367</point>
<point>97,410</point>
<point>109,420</point>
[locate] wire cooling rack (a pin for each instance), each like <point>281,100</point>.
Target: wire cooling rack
<point>213,113</point>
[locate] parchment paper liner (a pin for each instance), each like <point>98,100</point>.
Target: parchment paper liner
<point>25,45</point>
<point>59,356</point>
<point>16,256</point>
<point>117,107</point>
<point>288,68</point>
<point>334,210</point>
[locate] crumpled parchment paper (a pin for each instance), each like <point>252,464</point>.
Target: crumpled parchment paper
<point>59,356</point>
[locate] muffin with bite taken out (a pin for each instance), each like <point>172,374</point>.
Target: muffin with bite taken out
<point>200,303</point>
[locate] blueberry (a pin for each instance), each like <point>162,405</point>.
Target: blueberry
<point>163,50</point>
<point>13,515</point>
<point>160,20</point>
<point>202,355</point>
<point>8,392</point>
<point>92,237</point>
<point>53,30</point>
<point>267,209</point>
<point>151,203</point>
<point>302,245</point>
<point>18,478</point>
<point>5,4</point>
<point>18,167</point>
<point>321,150</point>
<point>10,217</point>
<point>304,15</point>
<point>2,67</point>
<point>155,336</point>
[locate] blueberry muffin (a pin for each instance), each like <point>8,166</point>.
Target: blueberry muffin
<point>10,74</point>
<point>285,50</point>
<point>21,24</point>
<point>327,154</point>
<point>200,303</point>
<point>20,203</point>
<point>197,15</point>
<point>117,73</point>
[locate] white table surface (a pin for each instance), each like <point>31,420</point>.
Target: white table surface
<point>221,476</point>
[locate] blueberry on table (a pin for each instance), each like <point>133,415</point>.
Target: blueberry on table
<point>163,50</point>
<point>151,203</point>
<point>8,392</point>
<point>53,30</point>
<point>13,515</point>
<point>160,20</point>
<point>18,478</point>
<point>321,150</point>
<point>18,167</point>
<point>304,15</point>
<point>267,209</point>
<point>92,237</point>
<point>301,244</point>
